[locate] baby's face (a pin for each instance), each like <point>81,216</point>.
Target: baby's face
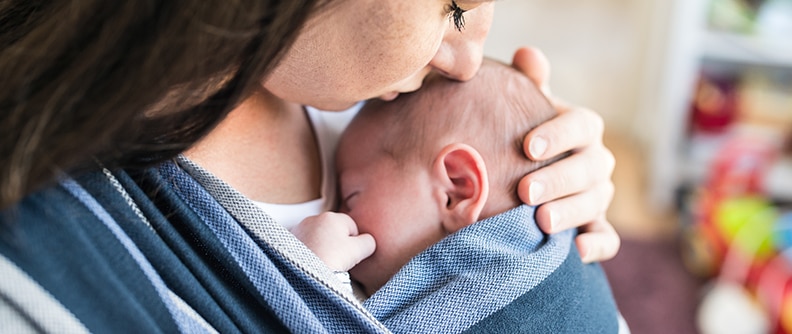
<point>392,202</point>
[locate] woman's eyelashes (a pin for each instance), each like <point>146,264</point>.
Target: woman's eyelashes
<point>456,14</point>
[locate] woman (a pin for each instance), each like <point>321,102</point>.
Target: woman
<point>168,248</point>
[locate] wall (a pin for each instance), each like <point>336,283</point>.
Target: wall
<point>598,49</point>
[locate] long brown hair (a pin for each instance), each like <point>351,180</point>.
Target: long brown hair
<point>129,83</point>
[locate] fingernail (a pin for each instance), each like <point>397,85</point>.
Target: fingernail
<point>553,221</point>
<point>538,147</point>
<point>535,192</point>
<point>584,255</point>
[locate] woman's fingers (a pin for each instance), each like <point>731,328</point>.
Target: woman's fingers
<point>574,192</point>
<point>575,211</point>
<point>599,243</point>
<point>571,175</point>
<point>598,240</point>
<point>533,63</point>
<point>572,129</point>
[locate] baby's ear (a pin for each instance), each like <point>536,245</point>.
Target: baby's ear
<point>462,176</point>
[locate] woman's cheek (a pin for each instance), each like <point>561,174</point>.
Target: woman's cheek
<point>414,59</point>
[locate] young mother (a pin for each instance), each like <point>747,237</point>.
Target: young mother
<point>94,92</point>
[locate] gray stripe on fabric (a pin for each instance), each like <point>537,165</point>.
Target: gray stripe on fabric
<point>263,227</point>
<point>128,199</point>
<point>190,312</point>
<point>25,307</point>
<point>182,320</point>
<point>11,321</point>
<point>178,303</point>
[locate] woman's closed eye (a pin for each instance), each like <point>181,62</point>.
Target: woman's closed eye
<point>456,14</point>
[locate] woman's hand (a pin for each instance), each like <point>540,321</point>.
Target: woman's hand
<point>577,190</point>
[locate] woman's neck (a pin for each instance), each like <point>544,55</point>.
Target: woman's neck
<point>266,149</point>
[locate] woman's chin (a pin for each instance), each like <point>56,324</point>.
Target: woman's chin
<point>334,106</point>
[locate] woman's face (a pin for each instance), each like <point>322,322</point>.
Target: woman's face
<point>353,50</point>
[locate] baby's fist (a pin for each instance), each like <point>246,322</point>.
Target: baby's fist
<point>334,238</point>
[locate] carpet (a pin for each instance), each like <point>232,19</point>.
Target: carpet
<point>653,290</point>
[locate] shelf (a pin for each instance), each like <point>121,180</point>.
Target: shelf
<point>777,183</point>
<point>699,152</point>
<point>746,49</point>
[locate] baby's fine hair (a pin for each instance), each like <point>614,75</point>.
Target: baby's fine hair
<point>492,112</point>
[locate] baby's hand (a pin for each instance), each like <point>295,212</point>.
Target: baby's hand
<point>334,238</point>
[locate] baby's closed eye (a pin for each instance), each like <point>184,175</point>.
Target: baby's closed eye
<point>347,202</point>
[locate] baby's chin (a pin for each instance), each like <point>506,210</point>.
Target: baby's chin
<point>370,276</point>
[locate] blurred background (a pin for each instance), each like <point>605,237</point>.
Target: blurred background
<point>697,100</point>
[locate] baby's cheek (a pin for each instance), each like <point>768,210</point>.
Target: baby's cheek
<point>361,219</point>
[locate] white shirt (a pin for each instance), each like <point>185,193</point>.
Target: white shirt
<point>327,126</point>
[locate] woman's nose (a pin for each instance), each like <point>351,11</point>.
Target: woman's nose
<point>460,53</point>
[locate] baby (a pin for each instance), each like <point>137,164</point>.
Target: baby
<point>449,156</point>
<point>436,188</point>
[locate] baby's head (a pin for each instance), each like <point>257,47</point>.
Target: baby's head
<point>429,163</point>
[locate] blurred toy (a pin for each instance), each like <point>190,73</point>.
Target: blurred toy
<point>728,308</point>
<point>749,295</point>
<point>765,99</point>
<point>715,102</point>
<point>731,196</point>
<point>778,180</point>
<point>786,308</point>
<point>739,167</point>
<point>782,239</point>
<point>772,292</point>
<point>740,229</point>
<point>782,234</point>
<point>700,251</point>
<point>732,15</point>
<point>754,217</point>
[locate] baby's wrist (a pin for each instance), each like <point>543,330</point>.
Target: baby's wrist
<point>344,279</point>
